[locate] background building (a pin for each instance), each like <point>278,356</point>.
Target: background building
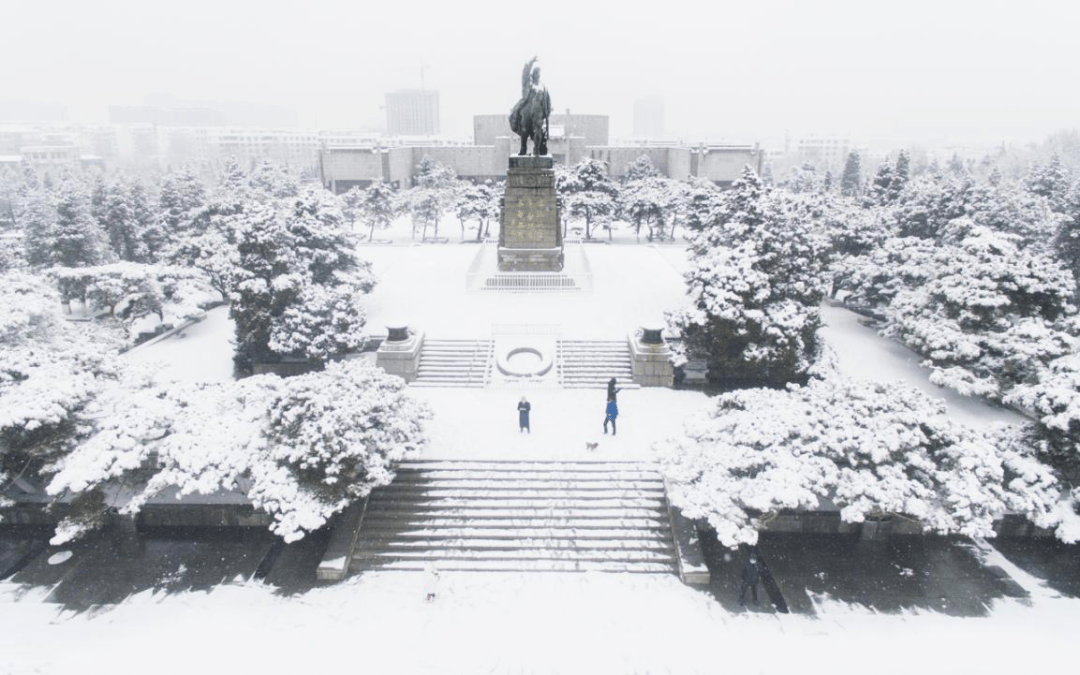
<point>412,112</point>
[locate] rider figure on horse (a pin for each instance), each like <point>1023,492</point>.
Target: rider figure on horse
<point>529,116</point>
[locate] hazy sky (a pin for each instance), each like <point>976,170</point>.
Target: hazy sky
<point>929,71</point>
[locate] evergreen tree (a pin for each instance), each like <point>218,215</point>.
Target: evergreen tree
<point>80,241</point>
<point>1050,181</point>
<point>118,220</point>
<point>901,175</point>
<point>182,194</point>
<point>593,195</point>
<point>754,286</point>
<point>273,180</point>
<point>293,288</point>
<point>37,216</point>
<point>1067,239</point>
<point>149,228</point>
<point>851,179</point>
<point>378,207</point>
<point>880,194</point>
<point>640,168</point>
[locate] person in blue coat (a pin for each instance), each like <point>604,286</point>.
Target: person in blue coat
<point>612,413</point>
<point>523,415</point>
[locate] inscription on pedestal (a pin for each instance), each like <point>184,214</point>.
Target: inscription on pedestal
<point>529,237</point>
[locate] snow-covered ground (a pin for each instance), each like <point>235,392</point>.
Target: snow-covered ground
<point>531,623</point>
<point>522,623</point>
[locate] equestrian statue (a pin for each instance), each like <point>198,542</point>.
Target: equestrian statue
<point>529,116</point>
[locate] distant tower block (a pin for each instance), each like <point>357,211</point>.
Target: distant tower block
<point>529,237</point>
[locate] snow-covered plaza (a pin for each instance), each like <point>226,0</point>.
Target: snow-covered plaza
<point>532,622</point>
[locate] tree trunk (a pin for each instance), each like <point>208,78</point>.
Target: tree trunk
<point>371,233</point>
<point>588,225</point>
<point>480,230</point>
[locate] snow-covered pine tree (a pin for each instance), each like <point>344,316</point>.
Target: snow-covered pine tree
<point>79,240</point>
<point>120,224</point>
<point>293,288</point>
<point>274,181</point>
<point>873,449</point>
<point>647,201</point>
<point>182,194</point>
<point>755,281</point>
<point>378,207</point>
<point>880,192</point>
<point>593,195</point>
<point>1051,181</point>
<point>37,218</point>
<point>851,179</point>
<point>985,315</point>
<point>640,168</point>
<point>301,448</point>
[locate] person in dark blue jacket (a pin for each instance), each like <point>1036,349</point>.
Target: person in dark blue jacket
<point>612,413</point>
<point>523,415</point>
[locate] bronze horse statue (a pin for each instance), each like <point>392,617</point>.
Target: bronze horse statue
<point>529,116</point>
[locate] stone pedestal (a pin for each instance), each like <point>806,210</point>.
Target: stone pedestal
<point>400,357</point>
<point>529,236</point>
<point>650,362</point>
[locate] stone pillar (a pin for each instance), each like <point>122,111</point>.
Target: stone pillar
<point>650,358</point>
<point>530,239</point>
<point>400,353</point>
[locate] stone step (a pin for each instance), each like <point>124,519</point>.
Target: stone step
<point>533,468</point>
<point>512,514</point>
<point>514,544</point>
<point>597,535</point>
<point>485,478</point>
<point>466,565</point>
<point>449,520</point>
<point>591,554</point>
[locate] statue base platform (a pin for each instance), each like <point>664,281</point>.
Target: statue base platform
<point>532,162</point>
<point>530,239</point>
<point>530,259</point>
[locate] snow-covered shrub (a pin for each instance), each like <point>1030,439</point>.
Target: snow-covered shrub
<point>753,288</point>
<point>300,448</point>
<point>984,315</point>
<point>869,448</point>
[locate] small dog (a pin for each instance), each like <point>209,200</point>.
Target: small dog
<point>591,446</point>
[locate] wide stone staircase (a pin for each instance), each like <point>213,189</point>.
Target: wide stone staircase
<point>589,364</point>
<point>518,516</point>
<point>454,363</point>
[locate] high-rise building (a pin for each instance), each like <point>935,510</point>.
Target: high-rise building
<point>412,112</point>
<point>649,118</point>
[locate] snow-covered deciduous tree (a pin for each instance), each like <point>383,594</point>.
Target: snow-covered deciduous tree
<point>301,448</point>
<point>870,449</point>
<point>984,316</point>
<point>755,281</point>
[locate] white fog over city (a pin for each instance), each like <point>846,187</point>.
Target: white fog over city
<point>539,338</point>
